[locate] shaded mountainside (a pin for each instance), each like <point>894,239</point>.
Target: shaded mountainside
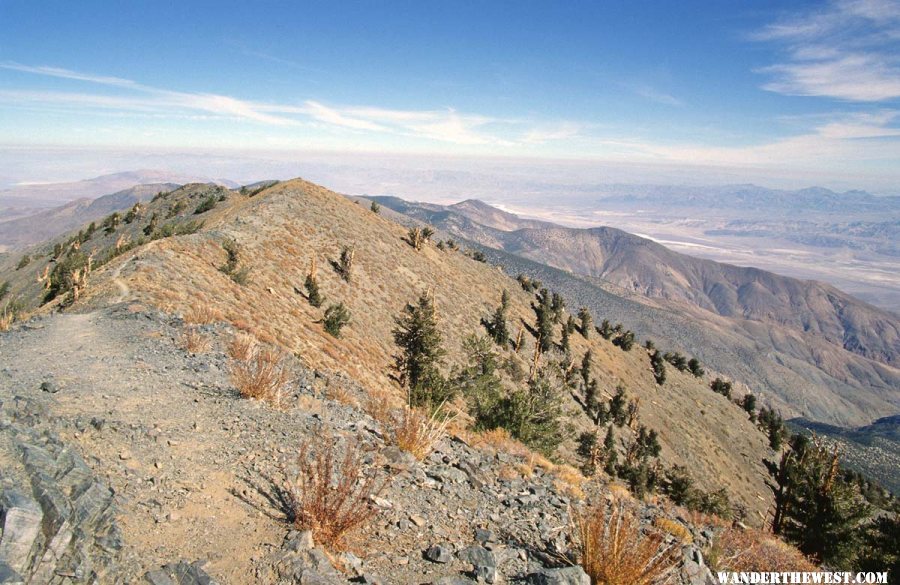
<point>280,230</point>
<point>873,450</point>
<point>801,370</point>
<point>32,229</point>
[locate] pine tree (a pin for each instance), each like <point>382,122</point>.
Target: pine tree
<point>336,318</point>
<point>312,286</point>
<point>420,341</point>
<point>720,386</point>
<point>497,326</point>
<point>814,506</point>
<point>375,207</point>
<point>605,330</point>
<point>609,450</point>
<point>584,316</point>
<point>695,368</point>
<point>617,406</point>
<point>748,403</point>
<point>544,326</point>
<point>344,265</point>
<point>659,367</point>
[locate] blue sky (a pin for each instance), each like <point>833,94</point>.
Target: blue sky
<point>753,85</point>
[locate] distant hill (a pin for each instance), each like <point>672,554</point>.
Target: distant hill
<point>47,224</point>
<point>102,185</point>
<point>821,352</point>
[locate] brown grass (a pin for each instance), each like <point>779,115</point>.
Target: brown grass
<point>675,528</point>
<point>331,496</point>
<point>735,549</point>
<point>202,315</point>
<point>614,551</point>
<point>417,432</point>
<point>192,341</point>
<point>262,377</point>
<point>379,405</point>
<point>7,318</point>
<point>241,347</point>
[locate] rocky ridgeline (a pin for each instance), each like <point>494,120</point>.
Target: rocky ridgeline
<point>463,515</point>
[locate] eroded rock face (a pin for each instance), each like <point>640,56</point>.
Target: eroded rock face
<point>58,519</point>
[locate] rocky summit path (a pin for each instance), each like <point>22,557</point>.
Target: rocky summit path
<point>126,459</point>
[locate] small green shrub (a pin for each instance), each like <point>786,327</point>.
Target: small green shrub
<point>336,318</point>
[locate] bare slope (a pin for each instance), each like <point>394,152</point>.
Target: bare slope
<point>280,230</point>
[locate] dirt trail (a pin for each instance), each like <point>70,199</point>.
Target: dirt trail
<point>154,423</point>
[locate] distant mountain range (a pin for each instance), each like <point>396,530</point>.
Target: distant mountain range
<point>844,350</point>
<point>746,197</point>
<point>46,224</point>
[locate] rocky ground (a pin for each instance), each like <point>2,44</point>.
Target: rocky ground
<point>123,458</point>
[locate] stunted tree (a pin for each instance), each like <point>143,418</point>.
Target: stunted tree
<point>695,368</point>
<point>336,318</point>
<point>659,367</point>
<point>720,386</point>
<point>344,265</point>
<point>313,294</point>
<point>815,507</point>
<point>497,326</point>
<point>543,310</point>
<point>617,406</point>
<point>609,450</point>
<point>375,207</point>
<point>586,322</point>
<point>605,329</point>
<point>417,335</point>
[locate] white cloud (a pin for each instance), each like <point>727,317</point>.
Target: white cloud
<point>848,50</point>
<point>446,125</point>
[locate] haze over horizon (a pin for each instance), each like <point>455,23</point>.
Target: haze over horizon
<point>709,94</point>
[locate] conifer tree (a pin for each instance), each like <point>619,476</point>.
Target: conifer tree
<point>609,450</point>
<point>605,329</point>
<point>336,318</point>
<point>312,286</point>
<point>497,326</point>
<point>544,326</point>
<point>695,368</point>
<point>584,316</point>
<point>814,506</point>
<point>420,341</point>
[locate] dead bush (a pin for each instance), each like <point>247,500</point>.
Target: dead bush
<point>202,315</point>
<point>614,551</point>
<point>192,341</point>
<point>417,432</point>
<point>736,549</point>
<point>241,347</point>
<point>262,377</point>
<point>379,405</point>
<point>332,496</point>
<point>675,528</point>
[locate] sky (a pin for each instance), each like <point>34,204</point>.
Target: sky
<point>763,88</point>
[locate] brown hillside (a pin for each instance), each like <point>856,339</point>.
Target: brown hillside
<point>280,230</point>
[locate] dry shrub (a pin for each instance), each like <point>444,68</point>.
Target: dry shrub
<point>417,432</point>
<point>341,394</point>
<point>6,320</point>
<point>331,496</point>
<point>568,480</point>
<point>379,405</point>
<point>735,549</point>
<point>192,341</point>
<point>241,347</point>
<point>202,315</point>
<point>675,528</point>
<point>262,377</point>
<point>614,551</point>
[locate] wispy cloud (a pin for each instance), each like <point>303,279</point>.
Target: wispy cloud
<point>443,125</point>
<point>654,95</point>
<point>848,50</point>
